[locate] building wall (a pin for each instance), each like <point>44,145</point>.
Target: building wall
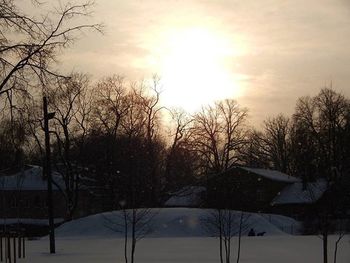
<point>30,204</point>
<point>242,190</point>
<point>297,211</point>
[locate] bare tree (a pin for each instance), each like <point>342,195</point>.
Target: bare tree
<point>218,134</point>
<point>319,132</point>
<point>69,101</point>
<point>341,232</point>
<point>126,118</point>
<point>148,100</point>
<point>181,124</point>
<point>180,160</point>
<point>134,224</point>
<point>111,104</point>
<point>29,44</point>
<point>12,140</point>
<point>225,224</point>
<point>274,142</point>
<point>252,153</point>
<point>323,119</point>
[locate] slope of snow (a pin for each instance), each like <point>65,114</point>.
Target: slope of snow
<point>295,194</point>
<point>166,222</point>
<point>272,175</point>
<point>284,223</point>
<point>189,196</point>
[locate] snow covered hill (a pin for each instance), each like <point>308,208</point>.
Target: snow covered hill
<point>172,222</point>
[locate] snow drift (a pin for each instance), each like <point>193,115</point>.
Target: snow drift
<point>171,222</point>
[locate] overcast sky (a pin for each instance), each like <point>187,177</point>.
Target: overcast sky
<point>287,49</point>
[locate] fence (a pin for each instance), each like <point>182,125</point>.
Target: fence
<point>12,246</point>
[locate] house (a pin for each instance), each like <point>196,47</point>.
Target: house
<point>298,199</point>
<point>23,194</point>
<point>254,190</point>
<point>246,188</point>
<point>23,198</point>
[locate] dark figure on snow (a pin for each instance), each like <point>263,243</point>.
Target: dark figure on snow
<point>261,234</point>
<point>251,232</point>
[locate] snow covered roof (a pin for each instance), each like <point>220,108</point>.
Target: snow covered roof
<point>29,179</point>
<point>295,194</point>
<point>188,196</point>
<point>272,174</point>
<point>29,221</point>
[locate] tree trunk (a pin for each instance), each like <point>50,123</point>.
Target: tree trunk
<point>239,238</point>
<point>220,235</point>
<point>229,250</point>
<point>133,241</point>
<point>325,247</point>
<point>125,236</point>
<point>226,251</point>
<point>336,247</point>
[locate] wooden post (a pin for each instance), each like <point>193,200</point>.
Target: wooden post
<point>48,116</point>
<point>5,247</point>
<point>24,247</point>
<point>19,245</point>
<point>14,248</point>
<point>1,247</point>
<point>9,248</point>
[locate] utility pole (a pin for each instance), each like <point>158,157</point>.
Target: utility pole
<point>47,117</point>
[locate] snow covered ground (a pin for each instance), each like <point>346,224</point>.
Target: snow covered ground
<point>271,249</point>
<point>179,237</point>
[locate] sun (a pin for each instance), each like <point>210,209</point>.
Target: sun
<point>193,68</point>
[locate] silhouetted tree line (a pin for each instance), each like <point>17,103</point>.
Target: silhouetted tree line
<point>313,142</point>
<point>113,136</point>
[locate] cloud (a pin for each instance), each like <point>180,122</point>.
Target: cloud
<point>292,47</point>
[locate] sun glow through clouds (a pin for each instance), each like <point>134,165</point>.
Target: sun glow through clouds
<point>193,66</point>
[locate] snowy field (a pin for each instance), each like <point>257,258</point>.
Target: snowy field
<point>271,249</point>
<point>179,236</point>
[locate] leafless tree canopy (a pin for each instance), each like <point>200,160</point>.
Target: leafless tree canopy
<point>219,134</point>
<point>29,44</point>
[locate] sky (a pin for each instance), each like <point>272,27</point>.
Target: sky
<point>265,54</point>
